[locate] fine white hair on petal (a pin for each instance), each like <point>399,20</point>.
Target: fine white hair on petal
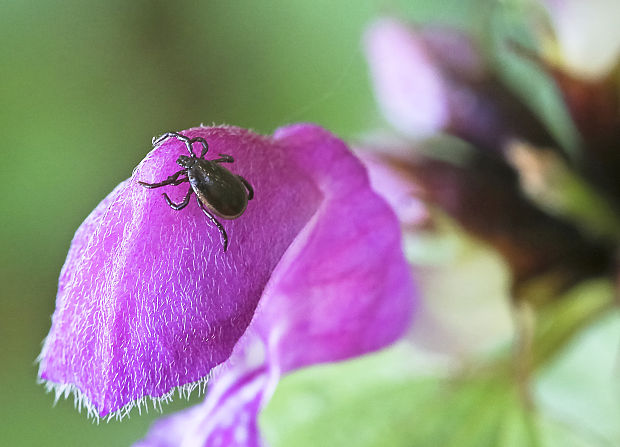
<point>81,401</point>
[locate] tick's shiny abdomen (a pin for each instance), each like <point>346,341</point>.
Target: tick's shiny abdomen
<point>218,189</point>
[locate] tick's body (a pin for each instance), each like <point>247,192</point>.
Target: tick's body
<point>218,190</point>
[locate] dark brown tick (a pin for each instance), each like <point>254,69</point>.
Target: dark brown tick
<point>218,191</point>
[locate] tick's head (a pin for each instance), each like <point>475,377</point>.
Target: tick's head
<point>185,161</point>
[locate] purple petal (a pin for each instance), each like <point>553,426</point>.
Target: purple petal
<point>342,289</point>
<point>344,285</point>
<point>147,299</point>
<point>408,86</point>
<point>433,79</point>
<point>228,416</point>
<point>398,187</point>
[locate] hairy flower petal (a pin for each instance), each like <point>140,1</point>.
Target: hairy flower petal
<point>147,298</point>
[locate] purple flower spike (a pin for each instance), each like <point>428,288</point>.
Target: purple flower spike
<point>342,289</point>
<point>149,301</point>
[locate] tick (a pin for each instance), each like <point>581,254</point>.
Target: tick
<point>219,192</point>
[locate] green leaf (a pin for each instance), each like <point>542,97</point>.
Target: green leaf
<point>379,400</point>
<point>400,397</point>
<point>580,390</point>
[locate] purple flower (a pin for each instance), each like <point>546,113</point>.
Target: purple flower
<point>433,79</point>
<point>148,301</point>
<point>409,88</point>
<point>490,188</point>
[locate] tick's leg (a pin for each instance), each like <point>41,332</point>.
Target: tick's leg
<point>225,159</point>
<point>161,138</point>
<point>216,222</point>
<point>205,146</point>
<point>172,180</point>
<point>248,186</point>
<point>183,204</point>
<point>164,183</point>
<point>183,138</point>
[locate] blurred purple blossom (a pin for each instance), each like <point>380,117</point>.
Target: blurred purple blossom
<point>429,80</point>
<point>409,87</point>
<point>148,301</point>
<point>486,190</point>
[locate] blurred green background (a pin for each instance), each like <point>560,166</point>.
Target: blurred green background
<point>85,85</point>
